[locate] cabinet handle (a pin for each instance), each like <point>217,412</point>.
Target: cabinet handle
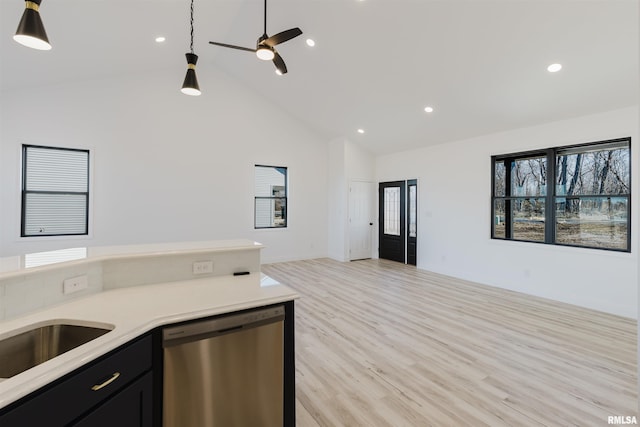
<point>107,382</point>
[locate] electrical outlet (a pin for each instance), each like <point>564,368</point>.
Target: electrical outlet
<point>75,284</point>
<point>202,267</point>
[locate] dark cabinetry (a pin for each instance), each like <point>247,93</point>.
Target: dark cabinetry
<point>115,390</point>
<point>124,389</point>
<point>127,408</point>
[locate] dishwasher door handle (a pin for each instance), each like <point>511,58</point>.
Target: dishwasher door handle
<point>196,331</point>
<point>233,328</point>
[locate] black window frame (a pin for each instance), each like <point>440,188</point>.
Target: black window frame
<point>25,192</point>
<point>283,199</point>
<point>550,195</point>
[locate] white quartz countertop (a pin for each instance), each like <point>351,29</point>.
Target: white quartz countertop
<point>132,312</point>
<point>43,261</point>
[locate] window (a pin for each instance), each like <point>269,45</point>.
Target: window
<point>587,204</point>
<point>270,209</point>
<point>55,191</point>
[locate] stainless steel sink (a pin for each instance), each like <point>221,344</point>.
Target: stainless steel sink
<point>43,342</point>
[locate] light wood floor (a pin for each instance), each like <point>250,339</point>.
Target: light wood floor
<point>383,344</point>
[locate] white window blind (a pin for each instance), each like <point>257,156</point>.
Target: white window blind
<point>55,191</point>
<point>270,197</point>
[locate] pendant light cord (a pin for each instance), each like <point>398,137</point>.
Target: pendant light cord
<point>191,26</point>
<point>265,17</point>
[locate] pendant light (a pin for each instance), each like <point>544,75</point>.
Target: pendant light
<point>190,85</point>
<point>30,30</point>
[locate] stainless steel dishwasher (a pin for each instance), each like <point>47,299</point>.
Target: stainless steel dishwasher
<point>226,371</point>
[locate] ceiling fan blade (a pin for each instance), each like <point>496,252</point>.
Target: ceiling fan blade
<point>283,37</point>
<point>279,63</point>
<point>233,46</point>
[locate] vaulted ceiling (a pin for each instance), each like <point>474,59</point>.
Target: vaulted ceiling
<point>481,64</point>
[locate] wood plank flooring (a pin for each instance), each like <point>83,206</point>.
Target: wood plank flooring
<point>379,343</point>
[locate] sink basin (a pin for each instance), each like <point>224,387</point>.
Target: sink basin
<point>43,342</point>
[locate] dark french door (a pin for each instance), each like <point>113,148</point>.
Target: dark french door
<point>397,207</point>
<point>392,221</point>
<point>412,219</point>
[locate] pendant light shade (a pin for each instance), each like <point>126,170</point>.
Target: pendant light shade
<point>30,30</point>
<point>190,85</point>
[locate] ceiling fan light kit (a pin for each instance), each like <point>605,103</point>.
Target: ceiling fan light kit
<point>265,53</point>
<point>30,30</point>
<point>265,47</point>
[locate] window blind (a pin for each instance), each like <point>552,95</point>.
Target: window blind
<point>55,191</point>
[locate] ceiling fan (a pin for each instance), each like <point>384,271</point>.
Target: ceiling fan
<point>265,47</point>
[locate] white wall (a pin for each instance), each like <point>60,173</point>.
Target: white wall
<point>454,182</point>
<point>337,201</point>
<point>168,167</point>
<point>359,163</point>
<point>347,162</point>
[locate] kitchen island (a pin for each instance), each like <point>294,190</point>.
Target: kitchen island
<point>142,308</point>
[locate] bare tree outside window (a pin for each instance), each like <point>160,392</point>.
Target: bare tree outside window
<point>588,206</point>
<point>588,213</point>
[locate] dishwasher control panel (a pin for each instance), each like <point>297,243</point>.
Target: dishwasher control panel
<point>173,335</point>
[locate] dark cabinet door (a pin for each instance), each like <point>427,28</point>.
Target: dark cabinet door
<point>74,395</point>
<point>132,407</point>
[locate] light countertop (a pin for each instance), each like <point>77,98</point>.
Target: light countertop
<point>39,261</point>
<point>132,312</point>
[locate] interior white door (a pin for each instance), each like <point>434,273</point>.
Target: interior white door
<point>361,219</point>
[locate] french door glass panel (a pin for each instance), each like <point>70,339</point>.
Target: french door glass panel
<point>412,211</point>
<point>392,211</point>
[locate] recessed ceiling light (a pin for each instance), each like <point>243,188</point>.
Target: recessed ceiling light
<point>428,109</point>
<point>160,39</point>
<point>311,43</point>
<point>554,68</point>
<point>360,130</point>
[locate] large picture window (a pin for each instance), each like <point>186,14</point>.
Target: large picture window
<point>55,191</point>
<point>270,208</point>
<point>575,196</point>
